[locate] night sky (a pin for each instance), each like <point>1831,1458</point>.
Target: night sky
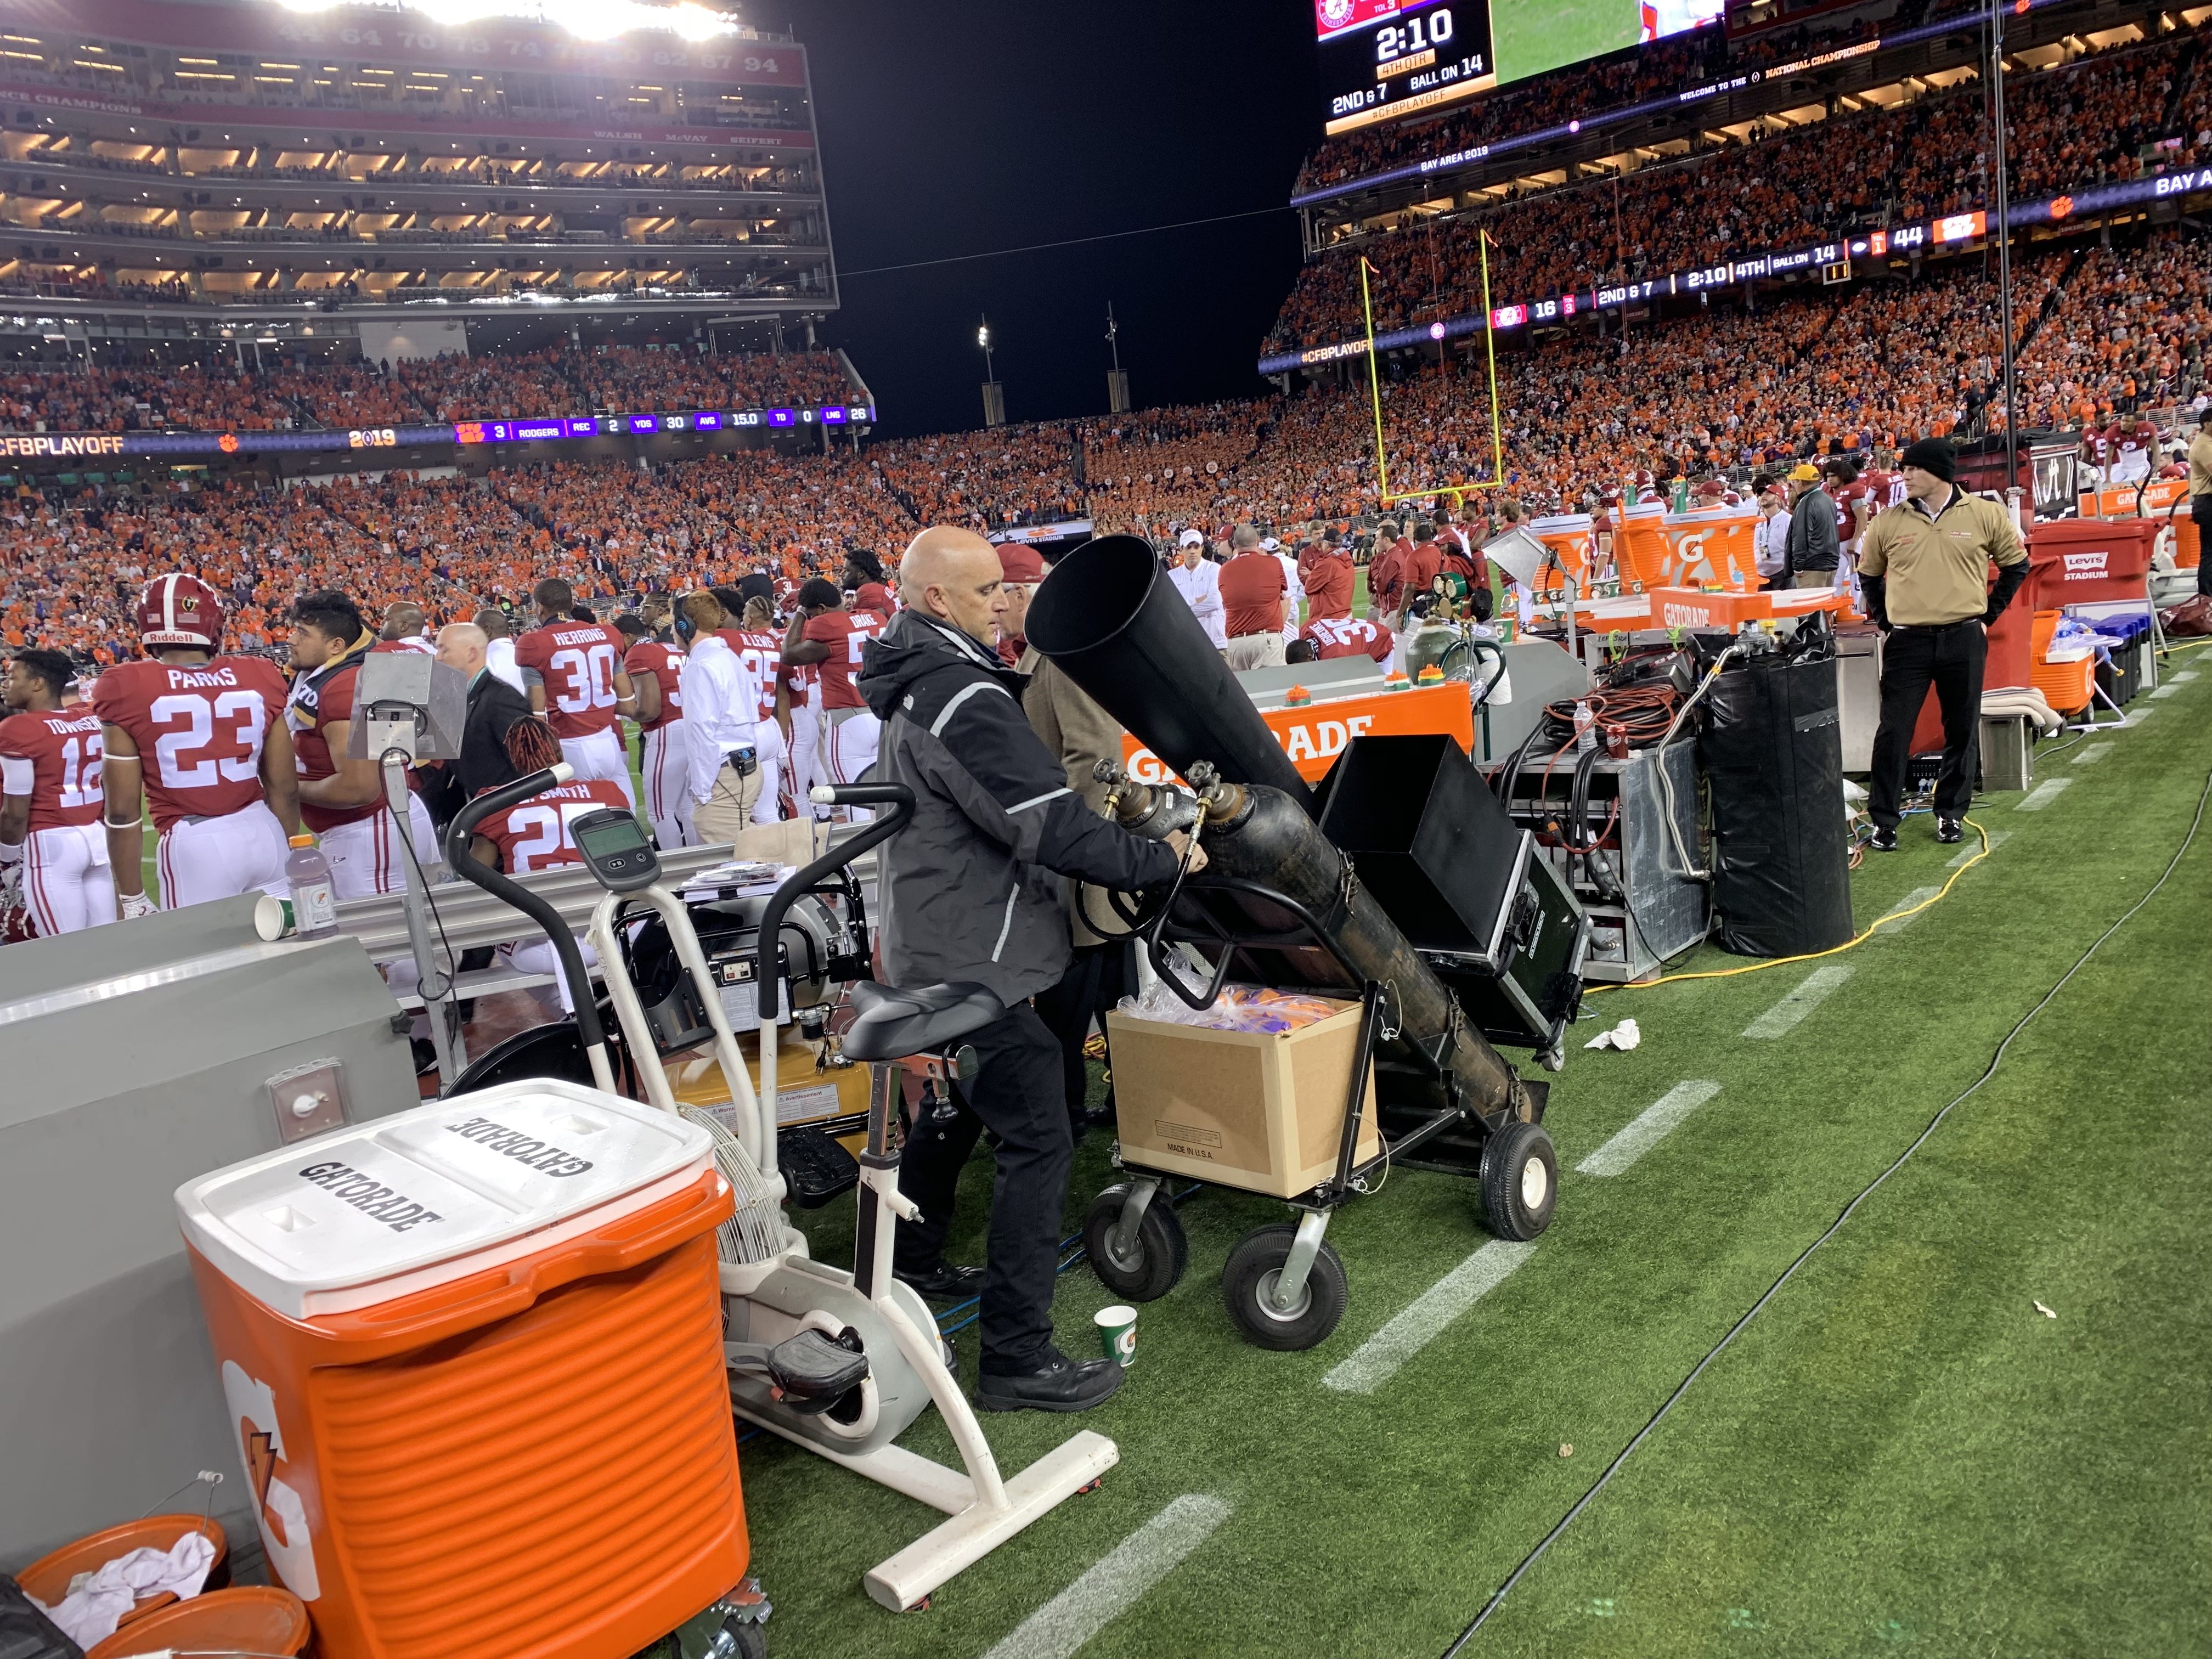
<point>974,124</point>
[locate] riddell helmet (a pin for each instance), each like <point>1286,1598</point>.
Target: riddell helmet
<point>179,610</point>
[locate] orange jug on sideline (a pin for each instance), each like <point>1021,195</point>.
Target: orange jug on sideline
<point>473,1357</point>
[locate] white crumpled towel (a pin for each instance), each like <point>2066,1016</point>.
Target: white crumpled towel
<point>97,1600</point>
<point>1623,1036</point>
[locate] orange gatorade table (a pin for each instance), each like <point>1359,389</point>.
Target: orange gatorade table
<point>1691,607</point>
<point>1314,734</point>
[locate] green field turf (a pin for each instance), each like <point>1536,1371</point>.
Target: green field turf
<point>1528,37</point>
<point>1902,1454</point>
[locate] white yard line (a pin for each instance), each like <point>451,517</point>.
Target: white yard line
<point>1895,923</point>
<point>2182,678</point>
<point>1997,838</point>
<point>2165,690</point>
<point>2044,793</point>
<point>1819,985</point>
<point>2093,754</point>
<point>1063,1625</point>
<point>1650,1128</point>
<point>1377,1359</point>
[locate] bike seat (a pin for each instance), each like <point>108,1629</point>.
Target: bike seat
<point>894,1024</point>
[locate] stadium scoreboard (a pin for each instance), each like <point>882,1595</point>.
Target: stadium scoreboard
<point>1382,59</point>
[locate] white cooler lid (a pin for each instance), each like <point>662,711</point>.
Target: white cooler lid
<point>387,1208</point>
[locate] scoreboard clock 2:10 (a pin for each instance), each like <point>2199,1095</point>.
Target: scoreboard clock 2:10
<point>1381,59</point>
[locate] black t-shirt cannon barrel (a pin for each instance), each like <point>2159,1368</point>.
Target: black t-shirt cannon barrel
<point>1278,902</point>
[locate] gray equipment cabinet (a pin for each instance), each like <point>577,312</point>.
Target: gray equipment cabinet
<point>137,1056</point>
<point>1643,909</point>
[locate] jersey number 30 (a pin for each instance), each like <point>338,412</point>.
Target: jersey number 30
<point>591,678</point>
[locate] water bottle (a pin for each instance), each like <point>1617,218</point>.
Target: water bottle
<point>314,903</point>
<point>1585,729</point>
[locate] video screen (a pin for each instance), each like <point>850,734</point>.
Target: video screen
<point>1381,59</point>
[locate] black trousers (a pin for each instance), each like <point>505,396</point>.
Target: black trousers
<point>2200,509</point>
<point>1912,658</point>
<point>1018,1095</point>
<point>1096,980</point>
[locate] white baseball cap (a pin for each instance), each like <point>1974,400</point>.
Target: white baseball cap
<point>1191,538</point>
<point>1270,545</point>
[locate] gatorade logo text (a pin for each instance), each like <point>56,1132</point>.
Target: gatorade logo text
<point>524,1149</point>
<point>369,1195</point>
<point>1686,616</point>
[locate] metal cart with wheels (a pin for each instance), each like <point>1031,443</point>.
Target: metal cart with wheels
<point>1284,1285</point>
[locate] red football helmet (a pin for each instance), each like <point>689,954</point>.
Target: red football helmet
<point>180,610</point>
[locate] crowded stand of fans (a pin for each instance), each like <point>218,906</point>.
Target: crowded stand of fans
<point>555,380</point>
<point>2088,121</point>
<point>2102,332</point>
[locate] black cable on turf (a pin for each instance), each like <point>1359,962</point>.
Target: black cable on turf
<point>1529,1560</point>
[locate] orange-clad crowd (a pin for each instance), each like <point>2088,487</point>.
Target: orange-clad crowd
<point>218,396</point>
<point>2102,332</point>
<point>2092,120</point>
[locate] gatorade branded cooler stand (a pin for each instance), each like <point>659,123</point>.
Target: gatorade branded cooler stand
<point>473,1357</point>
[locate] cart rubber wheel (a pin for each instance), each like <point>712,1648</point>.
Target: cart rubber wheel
<point>1155,1266</point>
<point>1250,1275</point>
<point>1520,1181</point>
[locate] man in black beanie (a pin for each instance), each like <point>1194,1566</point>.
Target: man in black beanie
<point>1925,566</point>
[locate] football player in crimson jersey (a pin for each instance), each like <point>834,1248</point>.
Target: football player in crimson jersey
<point>341,797</point>
<point>574,675</point>
<point>50,797</point>
<point>1885,487</point>
<point>1347,636</point>
<point>1855,505</point>
<point>2096,450</point>
<point>826,632</point>
<point>802,692</point>
<point>656,671</point>
<point>756,641</point>
<point>2134,442</point>
<point>200,738</point>
<point>537,834</point>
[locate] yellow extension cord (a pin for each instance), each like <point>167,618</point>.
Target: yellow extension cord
<point>1810,956</point>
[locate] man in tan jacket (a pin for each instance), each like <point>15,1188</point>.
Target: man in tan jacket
<point>1925,566</point>
<point>1081,733</point>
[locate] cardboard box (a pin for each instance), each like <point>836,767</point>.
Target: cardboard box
<point>1249,1109</point>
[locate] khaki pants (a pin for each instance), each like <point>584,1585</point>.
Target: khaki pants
<point>1254,651</point>
<point>1813,579</point>
<point>718,820</point>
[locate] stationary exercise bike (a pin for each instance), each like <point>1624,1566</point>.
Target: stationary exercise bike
<point>840,1363</point>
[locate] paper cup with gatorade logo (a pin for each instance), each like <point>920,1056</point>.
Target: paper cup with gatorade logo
<point>1117,1334</point>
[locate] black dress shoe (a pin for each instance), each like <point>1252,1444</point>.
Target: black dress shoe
<point>1058,1385</point>
<point>1950,831</point>
<point>1885,840</point>
<point>943,1283</point>
<point>426,1056</point>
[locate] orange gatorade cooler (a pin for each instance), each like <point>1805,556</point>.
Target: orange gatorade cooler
<point>473,1357</point>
